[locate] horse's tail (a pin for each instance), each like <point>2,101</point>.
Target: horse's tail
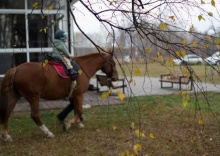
<point>7,95</point>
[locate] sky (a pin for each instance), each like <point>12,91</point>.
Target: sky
<point>89,24</point>
<point>87,21</point>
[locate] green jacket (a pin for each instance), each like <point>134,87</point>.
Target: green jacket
<point>60,50</point>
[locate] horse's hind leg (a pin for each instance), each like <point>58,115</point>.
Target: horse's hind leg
<point>11,104</point>
<point>35,115</point>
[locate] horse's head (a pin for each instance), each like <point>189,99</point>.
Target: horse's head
<point>109,67</point>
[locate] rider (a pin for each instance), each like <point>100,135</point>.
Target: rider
<point>60,51</point>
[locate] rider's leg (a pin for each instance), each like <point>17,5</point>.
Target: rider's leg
<point>68,65</point>
<point>63,114</point>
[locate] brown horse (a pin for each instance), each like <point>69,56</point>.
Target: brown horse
<point>34,81</point>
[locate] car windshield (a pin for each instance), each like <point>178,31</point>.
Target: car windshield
<point>215,54</point>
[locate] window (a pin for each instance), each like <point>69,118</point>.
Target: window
<point>12,4</point>
<point>26,34</point>
<point>12,30</point>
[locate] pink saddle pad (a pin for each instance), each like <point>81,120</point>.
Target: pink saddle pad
<point>60,70</point>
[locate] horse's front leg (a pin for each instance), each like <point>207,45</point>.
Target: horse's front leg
<point>78,113</point>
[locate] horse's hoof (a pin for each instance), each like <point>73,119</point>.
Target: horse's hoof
<point>80,125</point>
<point>7,138</point>
<point>50,135</point>
<point>66,126</point>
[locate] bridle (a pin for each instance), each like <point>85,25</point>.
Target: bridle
<point>112,65</point>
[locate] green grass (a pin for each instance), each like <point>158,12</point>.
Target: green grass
<point>202,72</point>
<point>175,128</point>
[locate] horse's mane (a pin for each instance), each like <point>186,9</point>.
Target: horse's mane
<point>91,54</point>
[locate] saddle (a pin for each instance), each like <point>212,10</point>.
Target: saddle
<point>61,68</point>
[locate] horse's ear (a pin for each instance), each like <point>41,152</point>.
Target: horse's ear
<point>110,51</point>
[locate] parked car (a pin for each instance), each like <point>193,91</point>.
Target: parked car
<point>189,59</point>
<point>127,59</point>
<point>214,59</point>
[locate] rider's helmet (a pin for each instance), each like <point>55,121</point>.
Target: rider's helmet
<point>61,35</point>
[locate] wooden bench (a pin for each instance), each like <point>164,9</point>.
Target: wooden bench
<point>178,77</point>
<point>104,81</point>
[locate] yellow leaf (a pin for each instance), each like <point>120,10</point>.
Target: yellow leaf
<point>50,7</point>
<point>148,50</point>
<point>172,18</point>
<point>185,71</point>
<point>137,132</point>
<point>200,17</point>
<point>137,148</point>
<point>121,96</point>
<point>163,26</point>
<point>44,63</point>
<point>126,153</point>
<point>137,72</point>
<point>184,42</point>
<point>109,91</point>
<point>105,95</point>
<point>208,37</point>
<point>55,23</point>
<point>181,53</point>
<point>110,3</point>
<point>194,43</point>
<point>45,30</point>
<point>194,138</point>
<point>152,136</point>
<point>202,2</point>
<point>188,87</point>
<point>184,102</point>
<point>131,80</point>
<point>181,92</point>
<point>217,41</point>
<point>35,5</point>
<point>191,29</point>
<point>170,62</point>
<point>213,3</point>
<point>159,56</point>
<point>200,122</point>
<point>210,13</point>
<point>40,30</point>
<point>132,125</point>
<point>114,127</point>
<point>142,135</point>
<point>134,83</point>
<point>206,46</point>
<point>80,72</point>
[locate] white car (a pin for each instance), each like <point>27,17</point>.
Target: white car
<point>214,59</point>
<point>189,59</point>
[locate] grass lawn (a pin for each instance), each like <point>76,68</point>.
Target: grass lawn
<point>164,126</point>
<point>202,72</point>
